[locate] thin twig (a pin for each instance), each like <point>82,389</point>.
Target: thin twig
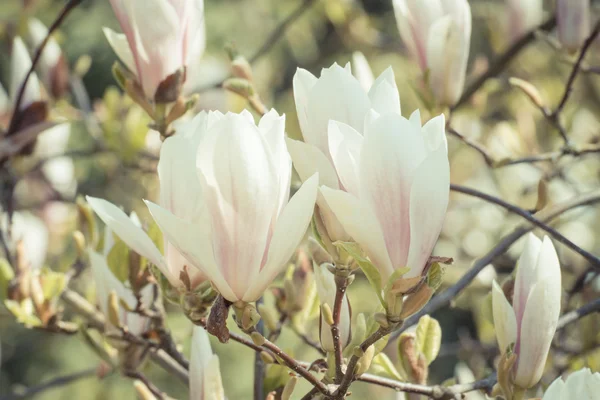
<point>341,283</point>
<point>579,313</point>
<point>500,63</point>
<point>473,144</point>
<point>51,384</point>
<point>594,260</point>
<point>259,365</point>
<point>444,298</point>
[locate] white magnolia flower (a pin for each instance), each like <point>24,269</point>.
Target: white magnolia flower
<point>397,183</point>
<point>107,282</point>
<point>437,33</point>
<point>205,374</point>
<point>160,37</point>
<point>234,178</point>
<point>326,289</point>
<point>335,95</point>
<point>573,22</point>
<point>530,323</point>
<point>523,16</point>
<point>580,385</point>
<point>20,65</point>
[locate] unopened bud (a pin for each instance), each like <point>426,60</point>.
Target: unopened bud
<point>267,358</point>
<point>79,240</point>
<point>239,86</point>
<point>365,361</point>
<point>246,315</point>
<point>86,215</point>
<point>394,303</point>
<point>257,338</point>
<point>412,360</point>
<point>382,320</point>
<point>529,89</point>
<point>142,391</point>
<point>82,65</point>
<point>416,301</point>
<point>113,309</point>
<point>268,316</point>
<point>240,68</point>
<point>543,195</point>
<point>327,314</point>
<point>289,388</point>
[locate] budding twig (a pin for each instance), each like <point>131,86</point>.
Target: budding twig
<point>341,283</point>
<point>52,384</point>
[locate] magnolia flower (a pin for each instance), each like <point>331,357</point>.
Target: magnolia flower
<point>362,70</point>
<point>326,289</point>
<point>573,22</point>
<point>236,224</point>
<point>523,16</point>
<point>336,95</point>
<point>397,182</point>
<point>437,33</point>
<point>160,37</point>
<point>32,231</point>
<point>205,374</point>
<point>580,385</point>
<point>531,321</point>
<point>107,282</point>
<point>20,65</point>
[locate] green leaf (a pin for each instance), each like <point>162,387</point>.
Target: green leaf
<point>383,366</point>
<point>370,271</point>
<point>6,275</point>
<point>23,312</point>
<point>53,283</point>
<point>428,337</point>
<point>118,260</point>
<point>156,235</point>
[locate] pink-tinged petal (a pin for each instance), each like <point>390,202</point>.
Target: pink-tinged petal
<point>337,95</point>
<point>526,274</point>
<point>195,35</point>
<point>193,240</point>
<point>392,151</point>
<point>120,45</point>
<point>384,93</point>
<point>505,322</point>
<point>303,83</point>
<point>289,231</point>
<point>537,330</point>
<point>241,186</point>
<point>361,223</point>
<point>176,263</point>
<point>573,22</point>
<point>272,127</point>
<point>132,235</point>
<point>362,71</point>
<point>344,147</point>
<point>429,195</point>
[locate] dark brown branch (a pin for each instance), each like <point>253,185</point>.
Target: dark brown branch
<point>473,144</point>
<point>500,63</point>
<point>594,260</point>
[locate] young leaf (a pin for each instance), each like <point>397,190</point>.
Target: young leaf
<point>370,271</point>
<point>429,337</point>
<point>382,365</point>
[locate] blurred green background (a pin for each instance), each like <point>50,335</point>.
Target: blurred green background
<point>329,31</point>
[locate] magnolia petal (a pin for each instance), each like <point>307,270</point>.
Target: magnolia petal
<point>384,93</point>
<point>303,83</point>
<point>120,45</point>
<point>556,391</point>
<point>241,185</point>
<point>289,231</point>
<point>199,359</point>
<point>344,146</point>
<point>434,133</point>
<point>213,383</point>
<point>20,65</point>
<point>337,95</point>
<point>309,160</point>
<point>526,274</point>
<point>505,322</point>
<point>536,332</point>
<point>548,266</point>
<point>362,71</point>
<point>194,242</point>
<point>106,282</point>
<point>429,195</point>
<point>123,226</point>
<point>582,384</point>
<point>360,223</point>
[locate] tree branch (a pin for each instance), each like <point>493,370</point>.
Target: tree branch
<point>51,384</point>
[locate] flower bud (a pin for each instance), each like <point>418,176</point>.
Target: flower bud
<point>327,290</point>
<point>530,323</point>
<point>523,16</point>
<point>573,23</point>
<point>289,387</point>
<point>364,363</point>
